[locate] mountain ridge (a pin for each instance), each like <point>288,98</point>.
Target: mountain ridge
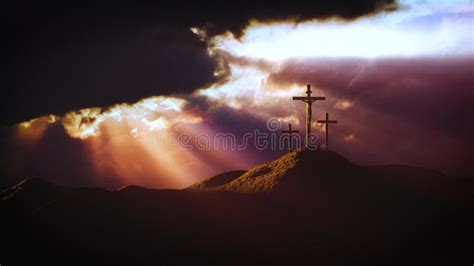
<point>304,206</point>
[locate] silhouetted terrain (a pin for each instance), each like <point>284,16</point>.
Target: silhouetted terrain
<point>307,207</point>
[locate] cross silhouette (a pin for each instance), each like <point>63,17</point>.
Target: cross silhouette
<point>289,132</point>
<point>327,122</point>
<point>309,101</point>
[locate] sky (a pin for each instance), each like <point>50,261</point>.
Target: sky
<point>149,95</point>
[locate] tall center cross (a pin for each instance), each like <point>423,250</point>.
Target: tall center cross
<point>309,101</point>
<point>327,122</point>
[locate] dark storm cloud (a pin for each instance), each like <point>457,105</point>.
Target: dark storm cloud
<point>60,57</point>
<point>115,69</point>
<point>224,17</point>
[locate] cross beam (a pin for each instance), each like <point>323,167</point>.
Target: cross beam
<point>327,122</point>
<point>309,112</point>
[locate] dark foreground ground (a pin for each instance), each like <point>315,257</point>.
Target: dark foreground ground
<point>388,215</point>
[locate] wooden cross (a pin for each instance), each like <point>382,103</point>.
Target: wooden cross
<point>327,122</point>
<point>309,101</point>
<point>289,132</point>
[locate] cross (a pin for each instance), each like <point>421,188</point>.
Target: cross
<point>327,122</point>
<point>309,101</point>
<point>289,131</point>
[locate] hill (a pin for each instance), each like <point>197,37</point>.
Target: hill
<point>302,208</point>
<point>297,170</point>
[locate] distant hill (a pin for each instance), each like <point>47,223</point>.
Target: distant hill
<point>31,194</point>
<point>305,207</point>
